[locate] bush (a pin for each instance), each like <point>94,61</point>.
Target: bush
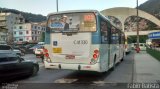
<point>154,53</point>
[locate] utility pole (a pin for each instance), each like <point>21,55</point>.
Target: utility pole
<point>137,27</point>
<point>57,4</point>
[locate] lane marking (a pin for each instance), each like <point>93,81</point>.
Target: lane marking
<point>65,80</point>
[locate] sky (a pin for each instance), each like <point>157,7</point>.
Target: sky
<point>45,7</point>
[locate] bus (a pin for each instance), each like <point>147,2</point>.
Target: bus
<point>82,40</point>
<point>128,44</point>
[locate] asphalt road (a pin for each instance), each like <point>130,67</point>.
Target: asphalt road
<point>61,79</point>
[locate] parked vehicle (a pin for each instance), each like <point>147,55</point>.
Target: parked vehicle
<point>34,48</point>
<point>142,46</point>
<point>9,48</point>
<point>39,51</point>
<point>41,43</point>
<point>12,66</point>
<point>29,45</point>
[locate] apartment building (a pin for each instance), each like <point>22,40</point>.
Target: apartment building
<point>7,22</point>
<point>28,32</point>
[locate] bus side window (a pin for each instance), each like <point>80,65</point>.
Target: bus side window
<point>114,36</point>
<point>104,32</point>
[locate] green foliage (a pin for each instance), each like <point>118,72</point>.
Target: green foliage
<point>142,39</point>
<point>28,16</point>
<point>154,53</point>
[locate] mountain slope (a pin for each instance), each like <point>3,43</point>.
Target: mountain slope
<point>28,16</point>
<point>151,6</point>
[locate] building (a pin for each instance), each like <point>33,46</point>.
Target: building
<point>28,32</point>
<point>7,22</point>
<point>154,39</point>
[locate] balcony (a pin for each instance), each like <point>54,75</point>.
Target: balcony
<point>2,18</point>
<point>3,24</point>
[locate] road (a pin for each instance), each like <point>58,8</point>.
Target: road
<point>124,73</point>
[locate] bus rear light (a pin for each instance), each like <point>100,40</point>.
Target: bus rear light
<point>95,56</point>
<point>87,66</point>
<point>96,51</point>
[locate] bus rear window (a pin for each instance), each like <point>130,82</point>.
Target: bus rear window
<point>80,22</point>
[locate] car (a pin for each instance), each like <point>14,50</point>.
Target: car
<point>41,43</point>
<point>9,48</point>
<point>35,47</point>
<point>142,46</point>
<point>39,51</point>
<point>29,46</point>
<point>12,66</point>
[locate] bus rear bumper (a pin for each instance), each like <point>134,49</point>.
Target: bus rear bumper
<point>82,67</point>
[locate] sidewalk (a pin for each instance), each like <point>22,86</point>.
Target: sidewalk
<point>147,68</point>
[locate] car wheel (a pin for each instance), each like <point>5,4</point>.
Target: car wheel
<point>34,70</point>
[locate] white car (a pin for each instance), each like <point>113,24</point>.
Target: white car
<point>142,46</point>
<point>38,51</point>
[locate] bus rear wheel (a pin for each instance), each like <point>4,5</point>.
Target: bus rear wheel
<point>114,64</point>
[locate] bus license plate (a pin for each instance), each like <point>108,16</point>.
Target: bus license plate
<point>57,50</point>
<point>70,57</point>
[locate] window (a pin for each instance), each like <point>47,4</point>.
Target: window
<point>27,38</point>
<point>15,27</point>
<point>35,38</point>
<point>35,32</point>
<point>5,47</point>
<point>32,38</point>
<point>12,58</point>
<point>27,32</point>
<point>35,27</point>
<point>8,59</point>
<point>122,38</point>
<point>73,22</point>
<point>32,32</point>
<point>15,32</point>
<point>3,59</point>
<point>20,27</point>
<point>20,39</point>
<point>104,31</point>
<point>20,33</point>
<point>114,36</point>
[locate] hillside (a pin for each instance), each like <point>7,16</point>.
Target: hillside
<point>28,16</point>
<point>152,7</point>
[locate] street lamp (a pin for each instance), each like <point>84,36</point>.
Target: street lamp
<point>137,27</point>
<point>57,4</point>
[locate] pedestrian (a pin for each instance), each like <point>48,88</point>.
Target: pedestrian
<point>42,54</point>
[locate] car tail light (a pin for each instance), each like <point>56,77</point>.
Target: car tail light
<point>47,55</point>
<point>45,50</point>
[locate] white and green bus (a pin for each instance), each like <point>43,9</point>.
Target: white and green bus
<point>82,40</point>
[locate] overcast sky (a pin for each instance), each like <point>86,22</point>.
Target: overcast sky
<point>47,6</point>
